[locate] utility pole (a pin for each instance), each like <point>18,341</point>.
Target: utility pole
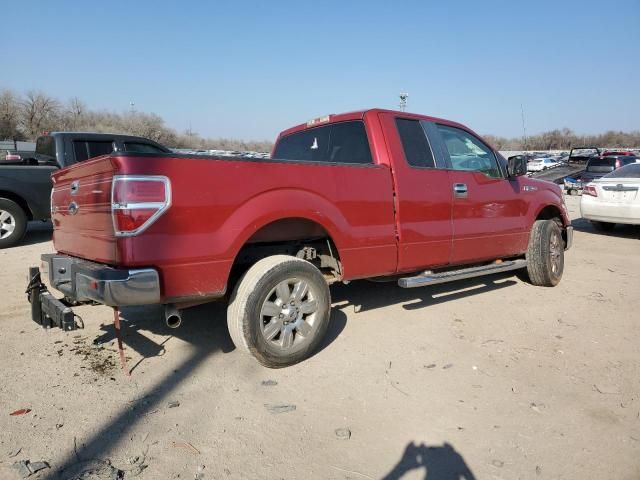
<point>132,105</point>
<point>403,101</point>
<point>524,130</point>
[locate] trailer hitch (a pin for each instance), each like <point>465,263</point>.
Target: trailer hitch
<point>46,310</point>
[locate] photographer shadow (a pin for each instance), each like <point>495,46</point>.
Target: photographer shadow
<point>439,463</point>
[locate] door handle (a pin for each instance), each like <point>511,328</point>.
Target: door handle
<point>460,190</point>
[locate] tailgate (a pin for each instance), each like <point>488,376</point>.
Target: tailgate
<point>81,210</point>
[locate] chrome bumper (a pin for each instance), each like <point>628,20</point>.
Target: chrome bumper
<point>569,231</point>
<point>85,281</point>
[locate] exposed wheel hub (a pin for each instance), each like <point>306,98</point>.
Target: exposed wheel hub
<point>289,314</point>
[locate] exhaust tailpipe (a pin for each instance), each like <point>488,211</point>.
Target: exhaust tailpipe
<point>172,316</point>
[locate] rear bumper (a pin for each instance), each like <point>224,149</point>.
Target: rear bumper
<point>85,281</point>
<point>610,212</point>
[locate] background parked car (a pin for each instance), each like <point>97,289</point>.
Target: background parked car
<point>612,199</point>
<point>617,153</point>
<point>540,164</point>
<point>599,167</point>
<point>25,183</point>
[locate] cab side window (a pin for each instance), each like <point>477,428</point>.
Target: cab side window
<point>85,150</point>
<point>414,143</point>
<point>468,153</point>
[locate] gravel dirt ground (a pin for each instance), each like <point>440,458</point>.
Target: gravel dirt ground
<point>489,378</point>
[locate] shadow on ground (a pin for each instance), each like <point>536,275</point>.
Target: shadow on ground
<point>437,463</point>
<point>621,231</point>
<point>366,295</point>
<point>205,328</point>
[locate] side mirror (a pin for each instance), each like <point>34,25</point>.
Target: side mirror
<point>517,166</point>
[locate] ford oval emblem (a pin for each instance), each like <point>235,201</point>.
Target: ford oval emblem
<point>73,208</point>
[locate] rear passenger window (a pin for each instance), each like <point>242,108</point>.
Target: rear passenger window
<point>348,143</point>
<point>415,144</point>
<point>344,142</point>
<point>85,150</point>
<point>99,148</point>
<point>80,150</point>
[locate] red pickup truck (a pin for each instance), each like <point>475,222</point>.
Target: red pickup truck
<point>374,193</point>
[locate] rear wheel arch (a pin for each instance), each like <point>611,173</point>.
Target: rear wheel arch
<point>294,236</point>
<point>19,201</point>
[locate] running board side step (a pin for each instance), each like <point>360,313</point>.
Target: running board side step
<point>428,278</point>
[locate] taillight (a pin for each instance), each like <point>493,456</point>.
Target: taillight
<point>137,202</point>
<point>590,190</point>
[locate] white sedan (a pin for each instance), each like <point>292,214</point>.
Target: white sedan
<point>540,164</point>
<point>614,198</point>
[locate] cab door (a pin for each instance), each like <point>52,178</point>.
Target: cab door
<point>422,195</point>
<point>488,210</point>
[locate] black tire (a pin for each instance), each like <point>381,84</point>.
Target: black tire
<point>293,332</point>
<point>13,223</point>
<point>545,254</point>
<point>603,226</point>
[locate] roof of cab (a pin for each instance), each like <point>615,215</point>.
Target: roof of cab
<point>97,136</point>
<point>359,115</point>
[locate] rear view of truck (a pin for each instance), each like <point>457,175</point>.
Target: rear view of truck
<point>93,208</point>
<point>138,229</point>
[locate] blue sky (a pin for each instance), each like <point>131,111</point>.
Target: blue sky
<point>248,69</point>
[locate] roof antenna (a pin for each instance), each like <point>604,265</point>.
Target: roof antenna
<point>403,101</point>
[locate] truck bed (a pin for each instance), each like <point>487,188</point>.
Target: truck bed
<point>217,205</point>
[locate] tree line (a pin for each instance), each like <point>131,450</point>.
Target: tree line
<point>25,117</point>
<point>565,139</point>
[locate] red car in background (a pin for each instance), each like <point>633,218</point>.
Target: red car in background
<point>616,153</point>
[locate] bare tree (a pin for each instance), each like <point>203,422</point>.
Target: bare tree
<point>39,112</point>
<point>10,116</point>
<point>27,117</point>
<point>74,113</point>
